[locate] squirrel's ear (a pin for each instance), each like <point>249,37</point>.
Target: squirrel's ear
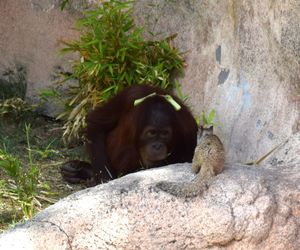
<point>211,129</point>
<point>205,131</point>
<point>200,130</point>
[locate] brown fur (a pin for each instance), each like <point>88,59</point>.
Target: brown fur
<point>114,130</point>
<point>208,160</point>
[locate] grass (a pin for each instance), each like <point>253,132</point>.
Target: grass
<point>48,153</point>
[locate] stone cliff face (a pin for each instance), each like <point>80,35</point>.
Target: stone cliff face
<point>31,36</point>
<point>243,59</point>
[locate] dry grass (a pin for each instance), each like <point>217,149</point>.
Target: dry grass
<point>44,132</point>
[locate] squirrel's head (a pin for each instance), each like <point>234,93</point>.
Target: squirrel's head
<point>205,131</point>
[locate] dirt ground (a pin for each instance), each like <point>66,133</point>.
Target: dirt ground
<point>50,153</point>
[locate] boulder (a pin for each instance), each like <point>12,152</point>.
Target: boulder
<point>246,207</point>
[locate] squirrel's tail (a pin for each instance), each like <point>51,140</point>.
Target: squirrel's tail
<point>188,189</point>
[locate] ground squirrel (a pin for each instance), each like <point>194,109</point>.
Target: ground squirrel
<point>209,158</point>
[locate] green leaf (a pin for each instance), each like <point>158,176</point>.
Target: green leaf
<point>211,116</point>
<point>113,54</point>
<point>139,101</point>
<point>110,69</point>
<point>63,4</point>
<point>172,102</point>
<point>204,119</point>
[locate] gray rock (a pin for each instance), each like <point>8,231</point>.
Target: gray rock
<point>246,207</point>
<point>242,60</point>
<point>31,38</point>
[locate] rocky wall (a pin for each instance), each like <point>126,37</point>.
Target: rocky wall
<point>243,59</point>
<point>31,37</point>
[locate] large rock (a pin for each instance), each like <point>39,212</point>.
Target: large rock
<point>243,60</point>
<point>31,38</point>
<point>246,207</point>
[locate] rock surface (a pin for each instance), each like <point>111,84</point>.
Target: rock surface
<point>31,38</point>
<point>243,60</point>
<point>246,207</point>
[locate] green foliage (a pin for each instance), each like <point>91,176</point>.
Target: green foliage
<point>63,4</point>
<point>13,83</point>
<point>15,107</point>
<point>12,93</point>
<point>178,91</point>
<point>25,185</point>
<point>47,152</point>
<point>49,93</point>
<point>208,120</point>
<point>113,55</point>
